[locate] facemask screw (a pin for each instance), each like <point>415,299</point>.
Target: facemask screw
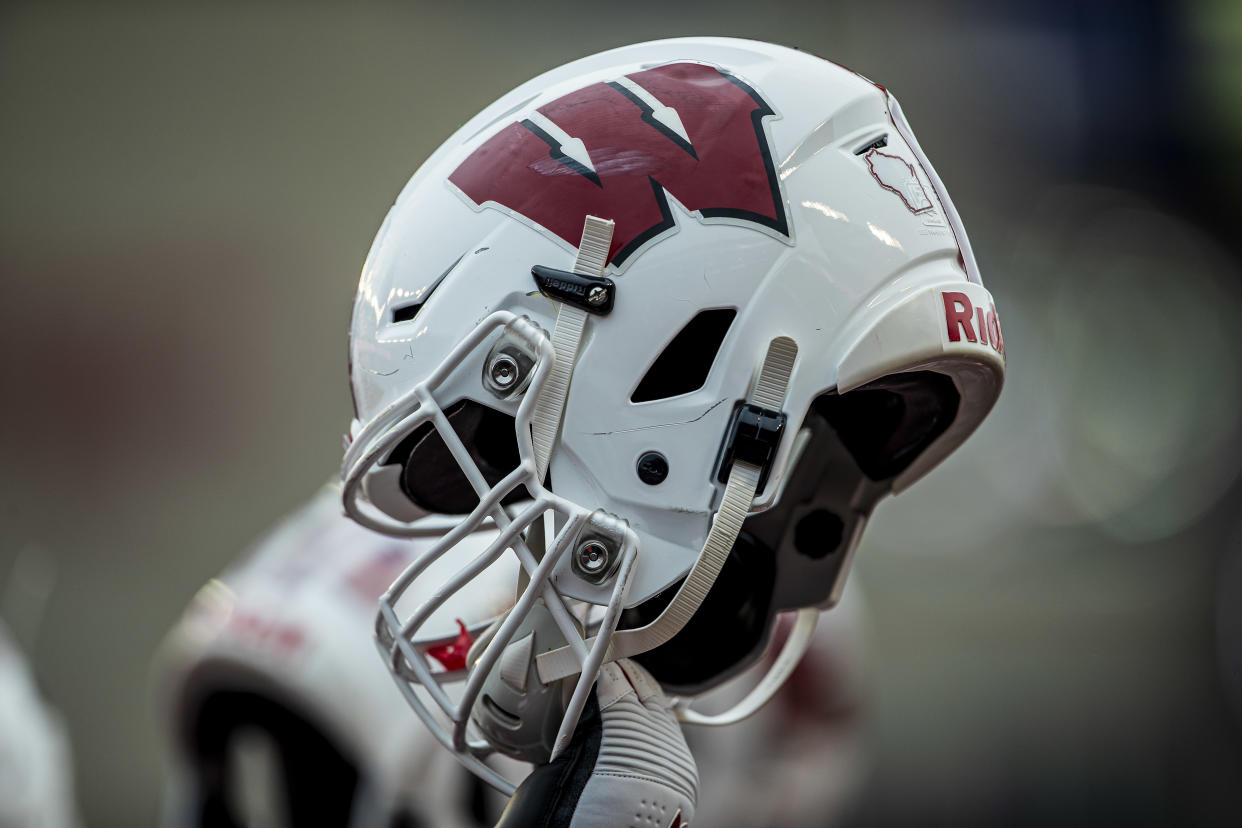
<point>592,560</point>
<point>503,372</point>
<point>597,295</point>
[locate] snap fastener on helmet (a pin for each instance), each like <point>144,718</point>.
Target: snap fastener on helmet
<point>652,468</point>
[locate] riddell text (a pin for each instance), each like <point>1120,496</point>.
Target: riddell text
<point>977,324</point>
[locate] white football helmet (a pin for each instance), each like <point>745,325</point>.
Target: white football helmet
<point>673,318</point>
<point>278,713</point>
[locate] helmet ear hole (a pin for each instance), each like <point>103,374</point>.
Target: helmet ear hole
<point>818,534</point>
<point>431,477</point>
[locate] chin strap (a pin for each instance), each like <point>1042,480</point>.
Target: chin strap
<point>768,392</point>
<point>591,260</point>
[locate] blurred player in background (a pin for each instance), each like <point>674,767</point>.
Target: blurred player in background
<point>277,710</point>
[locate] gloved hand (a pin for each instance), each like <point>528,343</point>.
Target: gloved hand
<point>627,765</point>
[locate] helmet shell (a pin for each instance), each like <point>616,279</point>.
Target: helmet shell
<point>853,260</point>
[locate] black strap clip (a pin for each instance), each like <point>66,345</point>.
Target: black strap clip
<point>754,435</point>
<point>593,295</point>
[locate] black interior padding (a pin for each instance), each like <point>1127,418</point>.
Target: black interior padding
<point>818,534</point>
<point>684,364</point>
<point>431,477</point>
<point>886,424</point>
<point>730,627</point>
<point>320,780</point>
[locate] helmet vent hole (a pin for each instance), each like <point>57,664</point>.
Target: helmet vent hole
<point>405,313</point>
<point>504,717</point>
<point>686,361</point>
<point>882,141</point>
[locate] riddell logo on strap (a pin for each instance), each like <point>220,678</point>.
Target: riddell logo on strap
<point>618,149</point>
<point>977,324</point>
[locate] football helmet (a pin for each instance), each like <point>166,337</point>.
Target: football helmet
<point>671,319</point>
<point>275,708</point>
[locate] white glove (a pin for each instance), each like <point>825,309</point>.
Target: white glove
<point>627,766</point>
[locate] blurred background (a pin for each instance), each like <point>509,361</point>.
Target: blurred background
<point>1055,614</point>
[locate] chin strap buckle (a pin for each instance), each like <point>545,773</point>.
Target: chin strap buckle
<point>753,436</point>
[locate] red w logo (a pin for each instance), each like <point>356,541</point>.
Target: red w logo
<point>613,149</point>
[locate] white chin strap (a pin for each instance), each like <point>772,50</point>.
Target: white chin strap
<point>768,392</point>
